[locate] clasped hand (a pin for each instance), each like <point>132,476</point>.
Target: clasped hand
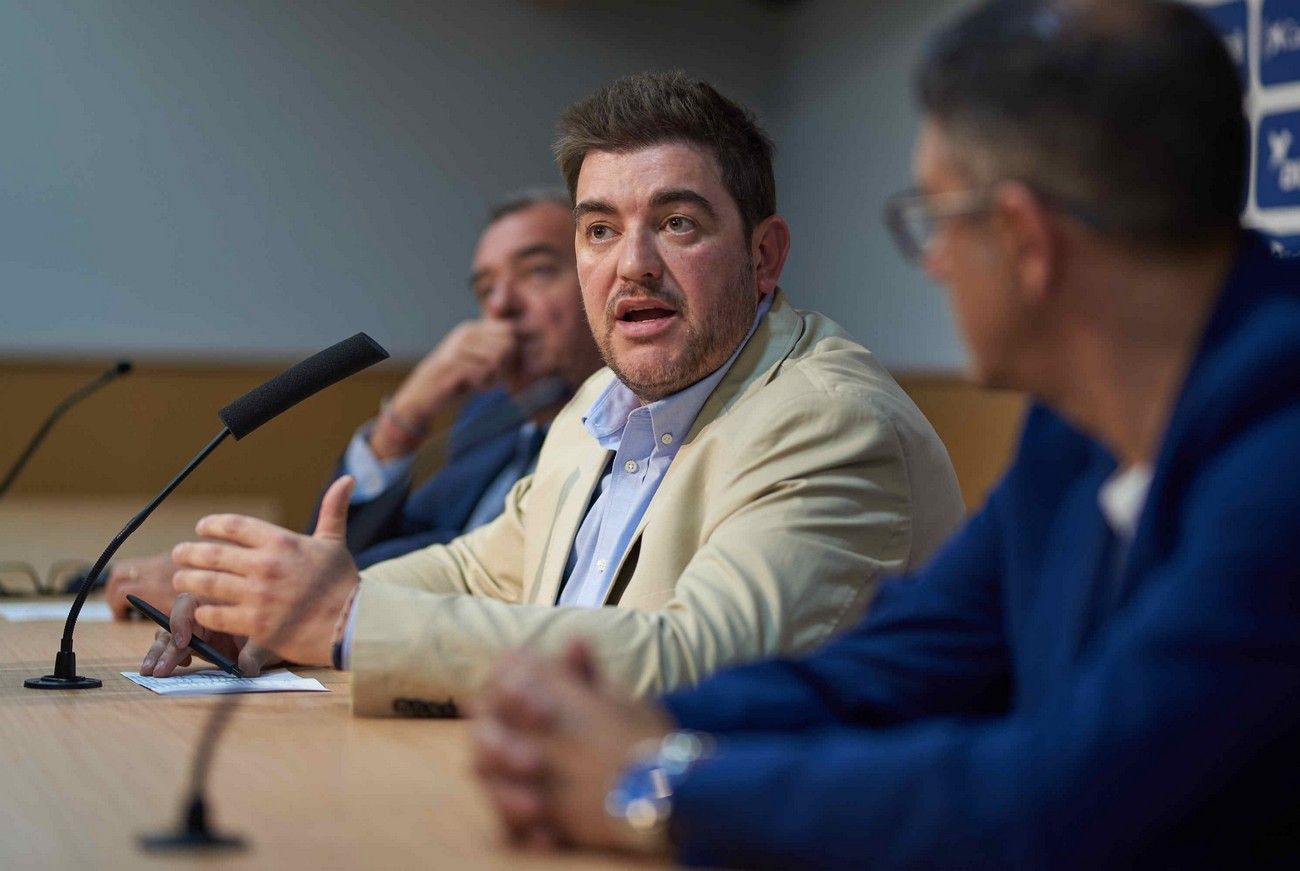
<point>260,592</point>
<point>550,738</point>
<point>473,356</point>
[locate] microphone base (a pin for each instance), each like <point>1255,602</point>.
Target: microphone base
<point>52,682</point>
<point>192,835</point>
<point>190,841</point>
<point>65,675</point>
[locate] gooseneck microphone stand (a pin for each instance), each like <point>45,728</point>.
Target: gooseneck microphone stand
<point>115,371</point>
<point>194,833</point>
<point>240,418</point>
<point>65,675</point>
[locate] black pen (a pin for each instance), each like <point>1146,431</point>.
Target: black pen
<point>197,644</point>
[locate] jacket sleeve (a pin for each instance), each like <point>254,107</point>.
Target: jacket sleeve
<point>808,517</point>
<point>369,521</point>
<point>1177,727</point>
<point>384,527</point>
<point>932,644</point>
<point>392,548</point>
<point>376,520</point>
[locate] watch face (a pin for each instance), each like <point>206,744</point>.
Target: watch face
<point>643,814</point>
<point>642,795</point>
<point>642,802</point>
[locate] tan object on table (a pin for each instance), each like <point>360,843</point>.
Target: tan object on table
<point>83,773</point>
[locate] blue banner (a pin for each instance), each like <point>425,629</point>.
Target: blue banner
<point>1230,20</point>
<point>1279,42</point>
<point>1277,161</point>
<point>1285,246</point>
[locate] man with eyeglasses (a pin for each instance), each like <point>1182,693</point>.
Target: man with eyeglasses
<point>1102,668</point>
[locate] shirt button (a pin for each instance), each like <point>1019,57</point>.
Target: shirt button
<point>630,465</point>
<point>666,438</point>
<point>601,564</point>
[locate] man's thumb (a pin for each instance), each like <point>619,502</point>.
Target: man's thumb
<point>333,520</point>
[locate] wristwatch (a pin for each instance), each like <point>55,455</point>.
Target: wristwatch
<point>642,799</point>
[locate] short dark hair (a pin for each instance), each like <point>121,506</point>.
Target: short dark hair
<point>525,199</point>
<point>653,108</point>
<point>1130,110</point>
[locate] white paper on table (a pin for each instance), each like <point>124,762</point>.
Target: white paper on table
<point>214,681</point>
<point>25,612</point>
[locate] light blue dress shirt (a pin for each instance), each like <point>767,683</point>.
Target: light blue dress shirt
<point>644,439</point>
<point>373,475</point>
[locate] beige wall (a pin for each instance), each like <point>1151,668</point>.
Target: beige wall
<point>132,436</point>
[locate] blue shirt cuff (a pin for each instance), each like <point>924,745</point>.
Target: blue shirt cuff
<point>345,658</point>
<point>373,475</point>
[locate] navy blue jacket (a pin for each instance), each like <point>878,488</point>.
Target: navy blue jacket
<point>1011,705</point>
<point>483,441</point>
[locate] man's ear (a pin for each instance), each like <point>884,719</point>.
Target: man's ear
<point>769,246</point>
<point>1027,232</point>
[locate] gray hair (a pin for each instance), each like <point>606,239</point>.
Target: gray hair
<point>526,199</point>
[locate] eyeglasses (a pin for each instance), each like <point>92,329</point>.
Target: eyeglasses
<point>913,216</point>
<point>22,579</point>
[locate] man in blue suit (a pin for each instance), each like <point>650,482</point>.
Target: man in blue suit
<point>519,362</point>
<point>1102,668</point>
<point>513,368</point>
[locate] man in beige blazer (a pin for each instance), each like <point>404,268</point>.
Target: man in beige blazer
<point>786,474</point>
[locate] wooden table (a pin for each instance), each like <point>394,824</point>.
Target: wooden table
<point>308,785</point>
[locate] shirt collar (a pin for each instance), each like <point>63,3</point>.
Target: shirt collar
<point>671,416</point>
<point>1121,498</point>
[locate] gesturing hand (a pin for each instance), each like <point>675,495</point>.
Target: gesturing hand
<point>281,589</point>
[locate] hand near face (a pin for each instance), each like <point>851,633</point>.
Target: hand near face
<point>280,589</point>
<point>149,578</point>
<point>550,739</point>
<point>473,356</point>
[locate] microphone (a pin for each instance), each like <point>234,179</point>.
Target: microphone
<point>194,831</point>
<point>296,383</point>
<point>240,417</point>
<point>117,370</point>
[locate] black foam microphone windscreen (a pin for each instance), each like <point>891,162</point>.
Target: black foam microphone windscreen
<point>296,383</point>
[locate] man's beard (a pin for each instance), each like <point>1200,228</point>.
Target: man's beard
<point>709,342</point>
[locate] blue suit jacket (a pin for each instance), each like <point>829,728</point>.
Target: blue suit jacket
<point>1011,705</point>
<point>399,520</point>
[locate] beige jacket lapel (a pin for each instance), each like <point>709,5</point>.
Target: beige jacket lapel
<point>570,508</point>
<point>757,364</point>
